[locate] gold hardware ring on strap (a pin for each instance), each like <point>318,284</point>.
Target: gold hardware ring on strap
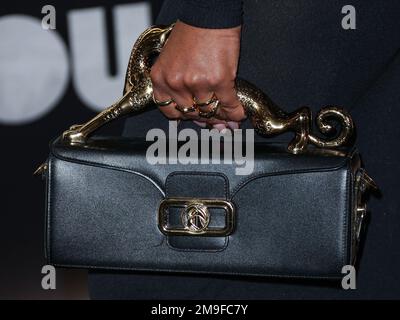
<point>212,112</point>
<point>162,103</point>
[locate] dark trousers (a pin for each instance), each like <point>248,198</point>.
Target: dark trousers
<point>298,53</point>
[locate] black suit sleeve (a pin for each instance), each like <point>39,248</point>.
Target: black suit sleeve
<point>214,14</point>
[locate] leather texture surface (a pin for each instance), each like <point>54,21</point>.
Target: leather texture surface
<point>292,213</point>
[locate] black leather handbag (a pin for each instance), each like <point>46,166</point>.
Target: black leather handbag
<point>298,214</point>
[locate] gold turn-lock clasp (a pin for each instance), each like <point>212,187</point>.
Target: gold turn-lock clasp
<point>195,217</point>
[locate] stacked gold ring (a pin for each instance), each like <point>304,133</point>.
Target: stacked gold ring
<point>162,103</point>
<point>212,112</point>
<point>206,103</point>
<point>209,113</point>
<point>195,107</point>
<point>188,109</point>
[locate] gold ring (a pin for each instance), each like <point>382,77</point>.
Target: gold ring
<point>206,103</point>
<point>210,113</point>
<point>184,110</point>
<point>162,103</point>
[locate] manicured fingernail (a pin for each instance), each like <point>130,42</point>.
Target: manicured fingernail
<point>200,124</point>
<point>233,125</point>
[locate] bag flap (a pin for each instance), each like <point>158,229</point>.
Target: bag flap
<point>129,154</point>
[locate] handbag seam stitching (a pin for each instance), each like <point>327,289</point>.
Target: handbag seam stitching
<point>234,191</point>
<point>342,162</point>
<point>48,246</point>
<point>226,190</point>
<point>202,272</point>
<point>98,165</point>
<point>345,222</point>
<point>242,184</point>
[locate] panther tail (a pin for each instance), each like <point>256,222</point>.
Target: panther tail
<point>338,114</point>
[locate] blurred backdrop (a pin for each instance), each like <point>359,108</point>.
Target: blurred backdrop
<point>50,79</point>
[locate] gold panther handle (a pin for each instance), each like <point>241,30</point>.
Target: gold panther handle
<point>267,118</point>
<point>138,88</point>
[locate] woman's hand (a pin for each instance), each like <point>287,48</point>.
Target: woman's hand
<point>198,63</point>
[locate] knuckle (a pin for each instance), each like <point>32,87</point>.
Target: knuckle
<point>156,76</point>
<point>216,80</point>
<point>232,75</point>
<point>194,80</point>
<point>175,81</point>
